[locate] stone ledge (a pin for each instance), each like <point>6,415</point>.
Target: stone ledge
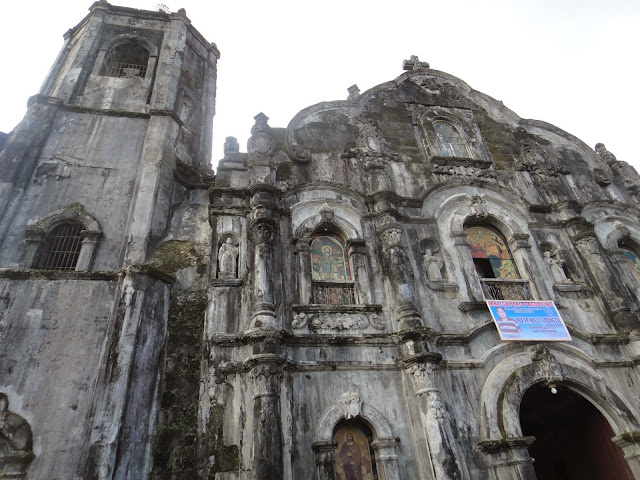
<point>443,286</point>
<point>469,306</point>
<point>324,308</point>
<point>226,282</point>
<point>32,274</point>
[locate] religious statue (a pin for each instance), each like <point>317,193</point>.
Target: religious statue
<point>556,268</point>
<point>478,206</point>
<point>227,260</point>
<point>13,427</point>
<point>433,265</point>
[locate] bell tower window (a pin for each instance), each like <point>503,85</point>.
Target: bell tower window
<point>126,60</point>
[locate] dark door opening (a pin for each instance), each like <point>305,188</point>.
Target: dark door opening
<point>573,439</point>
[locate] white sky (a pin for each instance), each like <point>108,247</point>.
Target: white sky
<point>572,63</point>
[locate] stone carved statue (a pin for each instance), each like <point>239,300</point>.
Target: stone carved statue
<point>13,427</point>
<point>433,265</point>
<point>478,206</point>
<point>227,260</point>
<point>352,404</point>
<point>605,154</point>
<point>556,268</point>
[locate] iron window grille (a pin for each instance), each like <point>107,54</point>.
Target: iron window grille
<point>61,248</point>
<point>505,289</point>
<point>124,70</point>
<point>333,294</point>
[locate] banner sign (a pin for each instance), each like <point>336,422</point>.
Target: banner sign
<point>526,320</point>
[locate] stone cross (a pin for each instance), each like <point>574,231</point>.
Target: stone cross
<point>414,63</point>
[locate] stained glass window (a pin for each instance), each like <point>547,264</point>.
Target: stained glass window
<point>450,141</point>
<point>633,260</point>
<point>354,457</point>
<point>491,254</point>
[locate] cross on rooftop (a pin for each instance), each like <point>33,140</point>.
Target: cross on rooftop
<point>414,63</point>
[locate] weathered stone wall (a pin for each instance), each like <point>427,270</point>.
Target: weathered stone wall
<point>417,357</point>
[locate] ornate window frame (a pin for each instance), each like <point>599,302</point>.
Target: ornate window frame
<point>37,231</point>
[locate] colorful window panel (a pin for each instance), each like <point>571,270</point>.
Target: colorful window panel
<point>489,247</point>
<point>329,261</point>
<point>354,457</point>
<point>633,260</point>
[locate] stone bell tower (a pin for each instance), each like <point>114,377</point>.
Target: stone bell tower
<point>103,199</point>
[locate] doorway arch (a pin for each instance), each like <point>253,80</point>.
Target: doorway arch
<point>572,437</point>
<point>501,440</point>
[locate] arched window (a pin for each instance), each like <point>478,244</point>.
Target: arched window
<point>495,265</point>
<point>491,254</point>
<point>61,248</point>
<point>330,271</point>
<point>126,60</point>
<point>632,259</point>
<point>354,456</point>
<point>450,141</point>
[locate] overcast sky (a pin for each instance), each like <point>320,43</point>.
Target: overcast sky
<point>572,63</point>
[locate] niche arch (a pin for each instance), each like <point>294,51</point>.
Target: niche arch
<point>351,407</point>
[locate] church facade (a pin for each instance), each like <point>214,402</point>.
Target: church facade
<point>317,308</point>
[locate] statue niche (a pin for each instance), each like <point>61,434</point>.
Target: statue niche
<point>228,258</point>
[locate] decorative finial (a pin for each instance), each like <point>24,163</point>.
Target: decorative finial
<point>262,123</point>
<point>414,63</point>
<point>231,146</point>
<point>354,93</point>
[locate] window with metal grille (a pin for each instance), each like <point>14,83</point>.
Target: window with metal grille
<point>451,142</point>
<point>61,248</point>
<point>126,61</point>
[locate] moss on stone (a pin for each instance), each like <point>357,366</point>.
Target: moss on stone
<point>225,458</point>
<point>175,255</point>
<point>176,451</point>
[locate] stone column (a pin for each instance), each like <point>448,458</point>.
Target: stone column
<point>358,255</point>
<point>509,459</point>
<point>264,308</point>
<point>303,252</point>
<point>386,458</point>
<point>85,258</point>
<point>33,240</point>
<point>266,372</point>
<point>630,444</point>
<point>401,276</point>
<point>325,461</point>
<point>462,249</point>
<point>441,445</point>
<point>602,277</point>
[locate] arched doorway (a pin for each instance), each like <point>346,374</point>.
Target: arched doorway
<point>573,439</point>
